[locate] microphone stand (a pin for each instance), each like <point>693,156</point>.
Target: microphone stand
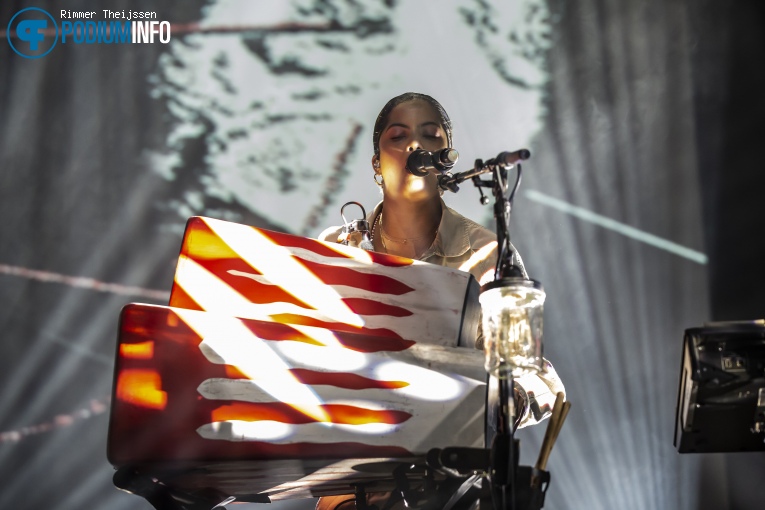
<point>503,455</point>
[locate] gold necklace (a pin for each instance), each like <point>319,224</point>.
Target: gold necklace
<point>405,240</point>
<point>374,229</point>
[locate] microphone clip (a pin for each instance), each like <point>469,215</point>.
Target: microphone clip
<point>356,233</point>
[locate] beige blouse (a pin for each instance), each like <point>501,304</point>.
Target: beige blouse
<point>460,243</point>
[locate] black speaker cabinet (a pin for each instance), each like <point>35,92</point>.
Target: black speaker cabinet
<point>721,399</point>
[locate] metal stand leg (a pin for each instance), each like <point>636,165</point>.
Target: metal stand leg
<point>159,495</point>
<point>361,499</point>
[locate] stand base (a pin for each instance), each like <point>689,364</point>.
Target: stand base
<point>451,479</point>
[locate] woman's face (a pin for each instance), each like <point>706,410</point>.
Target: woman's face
<point>411,125</point>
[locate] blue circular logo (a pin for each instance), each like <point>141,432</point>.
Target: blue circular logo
<point>31,30</point>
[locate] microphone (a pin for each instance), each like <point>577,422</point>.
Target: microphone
<point>421,162</point>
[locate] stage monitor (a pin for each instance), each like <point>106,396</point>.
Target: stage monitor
<point>721,398</point>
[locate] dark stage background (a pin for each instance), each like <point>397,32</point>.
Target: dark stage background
<point>641,210</point>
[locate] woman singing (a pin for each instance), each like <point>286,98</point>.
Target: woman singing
<point>413,221</point>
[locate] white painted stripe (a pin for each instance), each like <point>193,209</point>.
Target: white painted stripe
<point>243,390</point>
<point>253,357</point>
<point>621,228</point>
<point>375,434</point>
<point>424,386</point>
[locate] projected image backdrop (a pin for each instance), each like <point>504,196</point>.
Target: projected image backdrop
<point>279,100</point>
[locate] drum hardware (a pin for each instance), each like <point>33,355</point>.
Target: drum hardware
<point>160,496</point>
<point>484,475</point>
<point>361,498</point>
<point>403,487</point>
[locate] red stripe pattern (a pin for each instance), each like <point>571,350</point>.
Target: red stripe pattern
<point>250,365</point>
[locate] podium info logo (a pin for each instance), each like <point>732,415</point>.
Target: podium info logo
<point>36,32</point>
<point>33,32</point>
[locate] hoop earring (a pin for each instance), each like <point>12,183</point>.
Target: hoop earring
<point>380,182</point>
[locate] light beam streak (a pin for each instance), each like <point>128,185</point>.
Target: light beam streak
<point>621,228</point>
<point>83,282</point>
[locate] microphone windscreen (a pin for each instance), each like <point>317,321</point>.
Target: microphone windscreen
<point>418,162</point>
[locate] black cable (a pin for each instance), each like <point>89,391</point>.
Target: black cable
<point>517,184</point>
